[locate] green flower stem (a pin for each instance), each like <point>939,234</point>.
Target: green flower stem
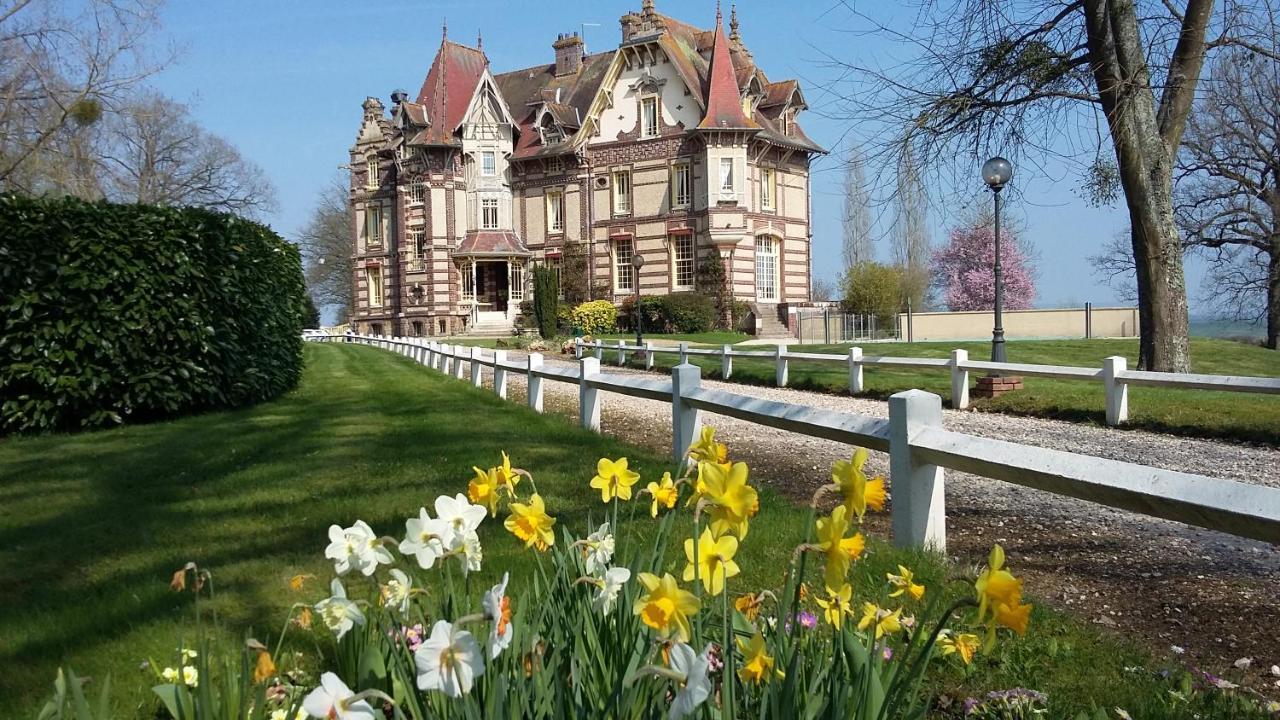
<point>728,706</point>
<point>697,580</point>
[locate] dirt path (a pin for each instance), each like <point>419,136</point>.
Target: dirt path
<point>1170,584</point>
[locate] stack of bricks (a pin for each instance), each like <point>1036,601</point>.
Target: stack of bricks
<point>992,386</point>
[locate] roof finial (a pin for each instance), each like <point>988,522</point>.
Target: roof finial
<point>479,40</point>
<point>444,30</point>
<point>717,12</point>
<point>733,24</point>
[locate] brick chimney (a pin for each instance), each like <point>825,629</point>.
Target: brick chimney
<point>568,47</point>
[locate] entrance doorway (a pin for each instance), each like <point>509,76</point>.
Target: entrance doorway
<point>766,269</point>
<point>492,286</point>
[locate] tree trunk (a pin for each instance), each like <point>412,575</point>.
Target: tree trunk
<point>1273,294</point>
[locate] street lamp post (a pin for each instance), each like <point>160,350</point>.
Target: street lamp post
<point>996,173</point>
<point>637,262</point>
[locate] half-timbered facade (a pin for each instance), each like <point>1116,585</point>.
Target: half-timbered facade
<point>672,146</point>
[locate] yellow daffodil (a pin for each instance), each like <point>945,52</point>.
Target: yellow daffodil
<point>298,581</point>
<point>963,644</point>
<point>531,523</point>
<point>264,669</point>
<point>858,492</point>
<point>1000,598</point>
<point>507,479</point>
<point>757,664</point>
<point>665,607</point>
<point>706,449</point>
<point>881,619</point>
<point>483,489</point>
<point>749,605</point>
<point>905,582</point>
<point>835,605</point>
<point>839,550</point>
<point>731,499</point>
<point>664,494</point>
<point>714,562</point>
<point>613,479</point>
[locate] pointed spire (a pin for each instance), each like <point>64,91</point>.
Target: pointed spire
<point>734,35</point>
<point>724,102</point>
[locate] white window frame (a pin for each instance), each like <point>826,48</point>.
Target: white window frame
<point>623,270</point>
<point>417,243</point>
<point>373,225</point>
<point>555,164</point>
<point>681,185</point>
<point>488,163</point>
<point>684,261</point>
<point>768,189</point>
<point>373,282</point>
<point>727,180</point>
<point>621,191</point>
<point>646,129</point>
<point>468,280</point>
<point>515,281</point>
<point>555,211</point>
<point>485,205</point>
<point>371,172</point>
<point>417,193</point>
<point>768,261</point>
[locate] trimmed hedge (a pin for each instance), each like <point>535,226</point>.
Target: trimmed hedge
<point>127,313</point>
<point>685,312</point>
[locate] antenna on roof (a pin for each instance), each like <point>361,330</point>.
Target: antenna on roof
<point>584,27</point>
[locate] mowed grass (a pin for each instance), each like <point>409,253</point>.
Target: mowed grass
<point>1238,416</point>
<point>93,525</point>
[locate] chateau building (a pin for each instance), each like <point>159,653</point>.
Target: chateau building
<point>673,146</point>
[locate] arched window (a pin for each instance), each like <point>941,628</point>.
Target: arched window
<point>767,265</point>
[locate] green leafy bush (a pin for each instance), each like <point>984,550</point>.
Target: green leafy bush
<point>124,313</point>
<point>595,317</point>
<point>872,288</point>
<point>546,302</point>
<point>680,313</point>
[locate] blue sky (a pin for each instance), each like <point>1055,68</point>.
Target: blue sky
<point>283,80</point>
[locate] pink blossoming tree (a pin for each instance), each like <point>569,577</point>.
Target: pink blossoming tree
<point>963,270</point>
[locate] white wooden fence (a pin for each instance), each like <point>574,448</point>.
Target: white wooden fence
<point>919,447</point>
<point>1113,374</point>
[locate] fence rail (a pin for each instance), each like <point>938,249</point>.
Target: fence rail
<point>919,447</point>
<point>1113,374</point>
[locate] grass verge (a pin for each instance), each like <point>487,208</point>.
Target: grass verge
<point>94,524</point>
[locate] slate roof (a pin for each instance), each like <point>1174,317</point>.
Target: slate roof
<point>724,98</point>
<point>447,91</point>
<point>526,90</point>
<point>491,243</point>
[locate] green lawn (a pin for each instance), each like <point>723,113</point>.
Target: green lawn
<point>1241,416</point>
<point>705,338</point>
<point>94,525</point>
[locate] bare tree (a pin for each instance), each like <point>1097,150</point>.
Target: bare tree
<point>1113,265</point>
<point>857,212</point>
<point>327,250</point>
<point>1229,188</point>
<point>911,246</point>
<point>1034,80</point>
<point>153,152</point>
<point>62,65</point>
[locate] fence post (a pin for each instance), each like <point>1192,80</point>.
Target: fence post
<point>457,361</point>
<point>431,354</point>
<point>684,354</point>
<point>1117,390</point>
<point>500,373</point>
<point>919,505</point>
<point>599,349</point>
<point>959,380</point>
<point>477,375</point>
<point>588,397</point>
<point>446,360</point>
<point>648,354</point>
<point>855,370</point>
<point>780,361</point>
<point>622,354</point>
<point>577,348</point>
<point>726,362</point>
<point>534,383</point>
<point>685,422</point>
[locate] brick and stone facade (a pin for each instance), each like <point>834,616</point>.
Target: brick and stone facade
<point>672,146</point>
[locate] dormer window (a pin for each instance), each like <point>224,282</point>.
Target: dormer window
<point>371,173</point>
<point>649,116</point>
<point>488,163</point>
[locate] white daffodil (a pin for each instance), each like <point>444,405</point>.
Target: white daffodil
<point>448,661</point>
<point>170,674</point>
<point>395,594</point>
<point>338,613</point>
<point>466,547</point>
<point>355,548</point>
<point>607,592</point>
<point>424,538</point>
<point>335,701</point>
<point>599,550</point>
<point>189,654</point>
<point>497,608</point>
<point>459,514</point>
<point>697,685</point>
<point>283,714</point>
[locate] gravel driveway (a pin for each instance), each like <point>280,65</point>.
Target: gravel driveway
<point>1170,584</point>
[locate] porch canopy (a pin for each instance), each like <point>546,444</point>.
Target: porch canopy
<point>491,244</point>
